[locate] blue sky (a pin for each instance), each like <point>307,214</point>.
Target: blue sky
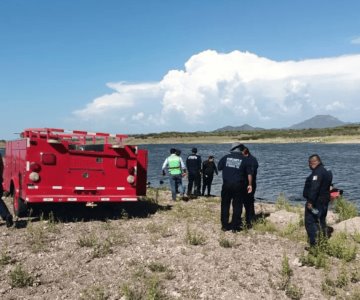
<point>152,66</point>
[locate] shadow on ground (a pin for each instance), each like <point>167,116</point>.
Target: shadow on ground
<point>75,212</point>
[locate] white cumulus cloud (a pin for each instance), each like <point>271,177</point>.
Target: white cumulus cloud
<point>218,89</point>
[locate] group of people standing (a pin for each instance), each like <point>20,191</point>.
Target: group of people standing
<point>194,168</point>
<point>239,172</point>
<point>239,169</point>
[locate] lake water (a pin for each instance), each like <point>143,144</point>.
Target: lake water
<point>282,167</point>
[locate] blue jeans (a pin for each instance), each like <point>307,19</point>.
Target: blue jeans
<point>176,180</point>
<point>314,223</point>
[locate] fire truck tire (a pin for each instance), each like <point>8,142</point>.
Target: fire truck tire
<point>20,207</point>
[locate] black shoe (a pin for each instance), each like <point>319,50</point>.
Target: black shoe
<point>9,221</point>
<point>234,230</point>
<point>225,228</point>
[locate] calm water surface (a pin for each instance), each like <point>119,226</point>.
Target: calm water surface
<point>282,167</point>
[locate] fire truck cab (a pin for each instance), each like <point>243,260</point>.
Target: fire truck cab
<point>53,165</point>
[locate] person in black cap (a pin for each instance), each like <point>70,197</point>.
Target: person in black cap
<point>4,212</point>
<point>193,166</point>
<point>208,170</point>
<point>237,182</point>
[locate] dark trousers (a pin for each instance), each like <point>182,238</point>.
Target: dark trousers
<point>316,224</point>
<point>232,193</point>
<point>249,208</point>
<point>207,181</point>
<point>194,178</point>
<point>4,211</point>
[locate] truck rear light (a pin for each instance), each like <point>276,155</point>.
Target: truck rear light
<point>34,176</point>
<point>48,159</point>
<point>131,179</point>
<point>120,162</point>
<point>35,167</point>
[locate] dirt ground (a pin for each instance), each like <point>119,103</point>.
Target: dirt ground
<point>153,250</point>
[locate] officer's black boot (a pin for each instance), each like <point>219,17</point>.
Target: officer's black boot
<point>9,221</point>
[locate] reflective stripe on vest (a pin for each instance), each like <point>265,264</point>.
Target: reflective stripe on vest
<point>174,165</point>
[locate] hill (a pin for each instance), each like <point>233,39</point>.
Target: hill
<point>316,122</point>
<point>245,127</point>
<point>319,121</point>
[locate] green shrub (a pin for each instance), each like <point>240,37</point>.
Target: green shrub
<point>224,242</point>
<point>96,292</point>
<point>87,241</point>
<point>194,238</point>
<point>316,258</point>
<point>263,225</point>
<point>294,292</point>
<point>157,267</point>
<point>340,246</point>
<point>20,278</point>
<point>345,209</point>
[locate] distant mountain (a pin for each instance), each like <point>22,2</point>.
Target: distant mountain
<point>319,121</point>
<point>245,127</point>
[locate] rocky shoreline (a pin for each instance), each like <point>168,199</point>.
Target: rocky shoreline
<point>157,249</point>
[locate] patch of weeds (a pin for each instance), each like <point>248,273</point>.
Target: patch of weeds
<point>95,292</point>
<point>89,240</point>
<point>118,238</point>
<point>52,223</point>
<point>182,212</point>
<point>356,237</point>
<point>5,258</point>
<point>289,230</point>
<point>345,209</point>
<point>157,267</point>
<point>355,295</point>
<point>194,238</point>
<point>282,203</point>
<point>20,278</point>
<point>291,290</point>
<point>328,287</point>
<point>315,258</point>
<point>340,246</point>
<point>107,225</point>
<point>263,225</point>
<point>286,272</point>
<point>225,243</point>
<point>355,276</point>
<point>149,288</point>
<point>163,230</point>
<point>342,279</point>
<point>37,237</point>
<point>301,219</point>
<point>294,292</point>
<point>102,249</point>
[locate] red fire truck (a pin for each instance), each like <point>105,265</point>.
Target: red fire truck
<point>54,165</point>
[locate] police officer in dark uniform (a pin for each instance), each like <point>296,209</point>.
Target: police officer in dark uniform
<point>4,212</point>
<point>237,182</point>
<point>249,202</point>
<point>208,170</point>
<point>193,166</point>
<point>317,195</point>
